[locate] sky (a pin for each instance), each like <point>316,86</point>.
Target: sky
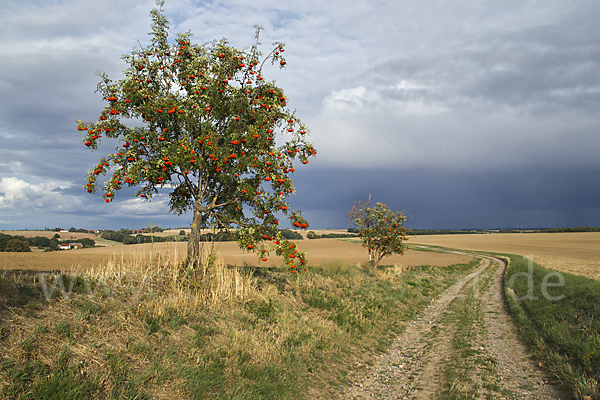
<point>466,114</point>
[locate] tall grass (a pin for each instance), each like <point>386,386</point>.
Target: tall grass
<point>561,325</point>
<point>162,329</point>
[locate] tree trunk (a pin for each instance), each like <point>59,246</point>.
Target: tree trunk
<point>193,250</point>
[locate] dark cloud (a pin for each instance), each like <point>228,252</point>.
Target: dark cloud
<point>456,199</point>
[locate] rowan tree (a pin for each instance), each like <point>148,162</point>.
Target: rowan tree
<point>380,229</point>
<point>201,122</point>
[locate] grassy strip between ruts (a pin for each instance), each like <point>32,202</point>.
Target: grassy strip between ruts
<point>159,331</point>
<point>558,316</point>
<point>467,358</point>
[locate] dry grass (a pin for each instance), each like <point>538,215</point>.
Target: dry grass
<point>576,253</point>
<point>127,296</point>
<point>131,293</point>
<point>188,289</point>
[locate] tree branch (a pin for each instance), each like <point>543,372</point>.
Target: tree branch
<point>190,185</point>
<point>212,205</point>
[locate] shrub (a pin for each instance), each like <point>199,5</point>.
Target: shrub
<point>291,235</point>
<point>312,235</point>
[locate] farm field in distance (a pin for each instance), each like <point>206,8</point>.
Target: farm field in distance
<point>320,251</point>
<point>576,253</point>
<point>50,234</point>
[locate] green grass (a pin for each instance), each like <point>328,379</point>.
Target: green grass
<point>35,380</point>
<point>560,325</point>
<point>466,359</point>
<point>87,309</point>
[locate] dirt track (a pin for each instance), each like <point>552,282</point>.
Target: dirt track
<point>462,346</point>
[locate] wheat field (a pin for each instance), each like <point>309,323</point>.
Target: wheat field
<point>576,253</point>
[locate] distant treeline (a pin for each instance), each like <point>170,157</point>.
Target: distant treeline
<point>126,236</point>
<point>71,229</point>
<point>446,231</point>
<point>313,235</point>
<point>577,229</point>
<point>226,237</point>
<point>480,231</point>
<point>552,230</point>
<point>20,243</point>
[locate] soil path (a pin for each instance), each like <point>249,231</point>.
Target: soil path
<point>463,346</point>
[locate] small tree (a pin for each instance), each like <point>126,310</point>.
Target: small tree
<point>209,127</point>
<point>380,228</point>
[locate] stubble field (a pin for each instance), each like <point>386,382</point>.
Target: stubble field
<point>321,251</point>
<point>576,253</point>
